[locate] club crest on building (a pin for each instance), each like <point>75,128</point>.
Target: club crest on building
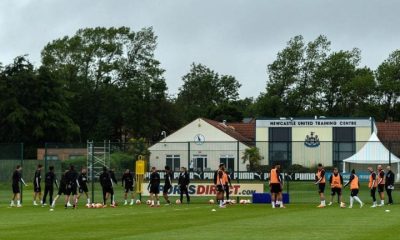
<point>311,140</point>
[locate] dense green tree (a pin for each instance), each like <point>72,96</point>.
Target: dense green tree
<point>204,90</point>
<point>116,85</point>
<point>33,108</point>
<point>388,79</point>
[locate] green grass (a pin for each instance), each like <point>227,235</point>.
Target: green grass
<point>197,221</point>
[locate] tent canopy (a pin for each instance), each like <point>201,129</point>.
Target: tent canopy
<point>373,152</point>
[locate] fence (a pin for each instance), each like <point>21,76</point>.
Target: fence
<point>201,158</point>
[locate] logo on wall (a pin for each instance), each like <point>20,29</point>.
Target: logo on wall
<point>311,140</point>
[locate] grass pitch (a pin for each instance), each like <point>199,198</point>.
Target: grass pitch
<point>197,221</point>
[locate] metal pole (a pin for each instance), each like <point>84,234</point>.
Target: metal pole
<point>390,153</point>
<point>237,168</point>
<point>92,168</point>
<point>22,163</point>
<point>188,161</point>
<point>45,157</point>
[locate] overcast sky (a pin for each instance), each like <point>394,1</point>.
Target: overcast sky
<point>238,38</point>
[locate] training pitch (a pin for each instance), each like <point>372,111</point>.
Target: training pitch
<point>198,221</point>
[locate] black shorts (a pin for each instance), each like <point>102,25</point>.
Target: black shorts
<point>373,191</point>
<point>276,188</point>
<point>71,189</point>
<point>37,189</point>
<point>83,188</point>
<point>337,191</point>
<point>166,188</point>
<point>61,191</point>
<point>108,189</point>
<point>128,189</point>
<point>220,188</point>
<point>155,189</point>
<point>381,188</point>
<point>321,187</point>
<point>15,189</point>
<point>354,192</point>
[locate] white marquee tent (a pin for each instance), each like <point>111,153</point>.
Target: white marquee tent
<point>373,152</point>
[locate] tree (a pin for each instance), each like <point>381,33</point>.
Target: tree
<point>33,108</point>
<point>116,86</point>
<point>252,157</point>
<point>388,79</point>
<point>291,86</point>
<point>204,90</point>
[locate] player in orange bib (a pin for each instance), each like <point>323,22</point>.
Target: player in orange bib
<point>354,187</point>
<point>336,182</point>
<point>220,181</point>
<point>320,181</point>
<point>275,185</point>
<point>372,183</point>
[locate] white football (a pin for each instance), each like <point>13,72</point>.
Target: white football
<point>138,202</point>
<point>248,201</point>
<point>148,202</point>
<point>88,205</point>
<point>178,201</point>
<point>233,201</point>
<point>211,201</point>
<point>242,201</point>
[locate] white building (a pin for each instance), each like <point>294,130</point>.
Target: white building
<point>202,145</point>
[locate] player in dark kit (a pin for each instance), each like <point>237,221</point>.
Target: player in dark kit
<point>167,184</point>
<point>113,182</point>
<point>154,186</point>
<point>128,181</point>
<point>183,182</point>
<point>107,186</point>
<point>37,189</point>
<point>227,187</point>
<point>49,180</point>
<point>320,181</point>
<point>71,180</point>
<point>16,179</point>
<point>83,188</point>
<point>61,189</point>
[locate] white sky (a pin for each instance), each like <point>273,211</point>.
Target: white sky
<point>238,38</point>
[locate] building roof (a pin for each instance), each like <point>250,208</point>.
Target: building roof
<point>388,131</point>
<point>243,132</point>
<point>247,130</point>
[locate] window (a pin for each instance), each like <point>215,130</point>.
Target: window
<point>280,146</point>
<point>174,162</point>
<point>344,144</point>
<point>51,157</point>
<point>199,163</point>
<point>229,162</point>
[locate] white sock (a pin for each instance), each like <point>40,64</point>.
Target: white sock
<point>18,202</point>
<point>374,203</point>
<point>221,202</point>
<point>351,201</point>
<point>152,202</point>
<point>383,202</point>
<point>357,199</point>
<point>12,202</point>
<point>158,202</point>
<point>88,200</point>
<point>323,202</point>
<point>132,200</point>
<point>273,203</point>
<point>126,201</point>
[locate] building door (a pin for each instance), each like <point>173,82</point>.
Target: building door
<point>200,162</point>
<point>229,162</point>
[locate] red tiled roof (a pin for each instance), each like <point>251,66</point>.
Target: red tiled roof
<point>229,129</point>
<point>388,131</point>
<point>245,129</point>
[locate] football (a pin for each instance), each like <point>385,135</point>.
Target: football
<point>148,202</point>
<point>233,201</point>
<point>242,201</point>
<point>138,202</point>
<point>178,201</point>
<point>88,205</point>
<point>211,201</point>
